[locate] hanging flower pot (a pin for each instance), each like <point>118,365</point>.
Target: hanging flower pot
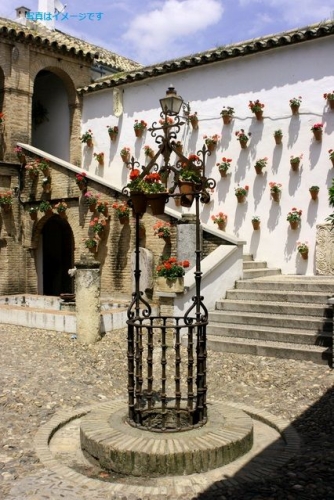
<point>223,173</point>
<point>256,225</point>
<point>139,203</point>
<point>314,190</point>
<point>123,219</point>
<point>157,202</point>
<point>331,103</point>
<point>226,119</point>
<point>243,143</point>
<point>186,189</point>
<point>221,225</point>
<point>317,131</point>
<point>259,115</point>
<point>241,198</point>
<point>329,96</point>
<point>6,207</point>
<point>278,134</point>
<point>294,224</point>
<point>304,255</point>
<point>258,169</point>
<point>294,109</point>
<point>295,164</point>
<point>89,143</point>
<point>179,149</point>
<point>275,196</point>
<point>194,121</point>
<point>92,207</point>
<point>139,132</point>
<point>257,108</point>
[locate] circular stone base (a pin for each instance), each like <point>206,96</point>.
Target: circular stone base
<point>117,446</point>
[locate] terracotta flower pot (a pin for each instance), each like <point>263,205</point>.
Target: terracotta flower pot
<point>314,194</point>
<point>211,147</point>
<point>62,214</point>
<point>294,165</point>
<point>82,185</point>
<point>33,215</point>
<point>317,134</point>
<point>241,198</point>
<point>227,119</point>
<point>278,139</point>
<point>259,115</point>
<point>221,225</point>
<point>92,207</point>
<point>294,224</point>
<point>223,173</point>
<point>258,169</point>
<point>139,203</point>
<point>179,149</point>
<point>331,103</point>
<point>194,123</point>
<point>186,189</point>
<point>6,207</point>
<point>243,144</point>
<point>113,136</point>
<point>125,158</point>
<point>157,202</point>
<point>123,219</point>
<point>294,109</point>
<point>139,132</point>
<point>275,196</point>
<point>304,255</point>
<point>256,224</point>
<point>89,143</point>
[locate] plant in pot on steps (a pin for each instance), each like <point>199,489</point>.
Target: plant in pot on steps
<point>275,191</point>
<point>303,249</point>
<point>227,114</point>
<point>45,207</point>
<point>260,164</point>
<point>170,273</point>
<point>294,217</point>
<point>221,220</point>
<point>223,166</point>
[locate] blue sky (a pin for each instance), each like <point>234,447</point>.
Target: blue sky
<point>157,30</point>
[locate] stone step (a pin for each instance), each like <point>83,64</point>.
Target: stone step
<point>260,272</point>
<point>316,354</point>
<point>272,334</point>
<point>252,264</point>
<point>275,320</point>
<point>287,283</point>
<point>268,307</point>
<point>247,257</point>
<point>278,295</point>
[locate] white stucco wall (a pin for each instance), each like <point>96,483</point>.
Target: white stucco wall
<point>274,78</point>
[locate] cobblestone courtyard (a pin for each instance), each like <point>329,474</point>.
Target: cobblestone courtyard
<point>43,372</point>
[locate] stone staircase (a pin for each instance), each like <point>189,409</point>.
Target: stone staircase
<point>270,314</point>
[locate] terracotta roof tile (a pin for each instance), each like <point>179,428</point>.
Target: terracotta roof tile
<point>56,40</point>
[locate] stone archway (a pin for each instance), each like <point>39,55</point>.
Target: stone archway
<point>51,115</point>
<point>58,256</point>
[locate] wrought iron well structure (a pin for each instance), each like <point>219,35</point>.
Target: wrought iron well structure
<point>167,386</point>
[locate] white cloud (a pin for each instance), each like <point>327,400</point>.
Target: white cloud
<point>167,30</point>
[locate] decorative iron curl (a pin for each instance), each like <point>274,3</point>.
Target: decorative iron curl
<point>198,304</point>
<point>136,300</point>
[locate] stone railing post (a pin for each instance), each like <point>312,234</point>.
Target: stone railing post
<point>87,294</point>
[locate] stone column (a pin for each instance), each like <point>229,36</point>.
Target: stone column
<point>186,238</point>
<point>87,295</point>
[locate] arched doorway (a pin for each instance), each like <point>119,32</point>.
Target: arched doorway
<point>58,252</point>
<point>51,115</point>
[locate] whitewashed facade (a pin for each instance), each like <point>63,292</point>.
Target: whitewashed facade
<point>274,77</point>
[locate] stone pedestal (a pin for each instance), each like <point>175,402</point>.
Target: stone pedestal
<point>87,292</point>
<point>186,238</point>
<point>146,267</point>
<point>324,255</point>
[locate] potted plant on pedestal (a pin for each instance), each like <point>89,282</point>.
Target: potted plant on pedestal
<point>170,274</point>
